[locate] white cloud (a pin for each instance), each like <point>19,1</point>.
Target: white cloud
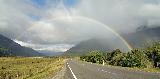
<point>42,47</point>
<point>57,25</point>
<point>122,16</point>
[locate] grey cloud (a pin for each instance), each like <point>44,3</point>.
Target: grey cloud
<point>14,19</point>
<point>121,15</point>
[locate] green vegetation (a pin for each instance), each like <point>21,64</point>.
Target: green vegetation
<point>29,67</point>
<point>145,59</point>
<point>94,56</point>
<point>4,52</point>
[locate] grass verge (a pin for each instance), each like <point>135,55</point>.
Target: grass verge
<point>29,67</point>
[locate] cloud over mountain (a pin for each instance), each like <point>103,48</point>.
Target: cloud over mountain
<point>53,22</point>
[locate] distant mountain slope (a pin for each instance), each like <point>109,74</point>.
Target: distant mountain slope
<point>50,53</point>
<point>85,46</point>
<point>136,39</point>
<point>101,44</point>
<point>9,47</point>
<point>143,36</point>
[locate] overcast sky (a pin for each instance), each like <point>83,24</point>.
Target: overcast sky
<point>57,25</point>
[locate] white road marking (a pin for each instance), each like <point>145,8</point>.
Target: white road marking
<point>107,72</point>
<point>102,70</point>
<point>72,72</point>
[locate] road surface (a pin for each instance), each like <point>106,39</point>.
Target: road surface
<point>82,70</point>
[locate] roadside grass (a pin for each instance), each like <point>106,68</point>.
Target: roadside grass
<point>29,67</point>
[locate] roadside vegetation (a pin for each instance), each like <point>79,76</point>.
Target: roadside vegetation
<point>147,59</point>
<point>30,67</point>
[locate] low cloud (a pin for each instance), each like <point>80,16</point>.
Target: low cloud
<point>45,27</point>
<point>42,47</point>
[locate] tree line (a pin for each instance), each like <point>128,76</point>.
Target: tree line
<point>148,57</point>
<point>5,52</point>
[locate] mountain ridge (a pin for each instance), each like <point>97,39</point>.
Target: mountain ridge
<point>137,39</point>
<point>11,48</point>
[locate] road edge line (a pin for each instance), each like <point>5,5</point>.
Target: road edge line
<point>72,72</point>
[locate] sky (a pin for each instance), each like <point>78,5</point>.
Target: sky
<point>58,25</point>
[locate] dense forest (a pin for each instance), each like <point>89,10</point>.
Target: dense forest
<point>148,57</point>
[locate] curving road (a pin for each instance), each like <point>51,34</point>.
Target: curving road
<point>83,70</point>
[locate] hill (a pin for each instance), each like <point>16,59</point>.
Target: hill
<point>140,38</point>
<point>10,48</point>
<point>143,36</point>
<point>101,44</point>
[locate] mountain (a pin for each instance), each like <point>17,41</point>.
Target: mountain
<point>140,38</point>
<point>101,44</point>
<point>50,53</point>
<point>10,48</point>
<point>85,46</point>
<point>143,36</point>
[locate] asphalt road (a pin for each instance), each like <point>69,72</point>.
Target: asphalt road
<point>83,70</point>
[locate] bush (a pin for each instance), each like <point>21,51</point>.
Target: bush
<point>146,58</point>
<point>136,58</point>
<point>153,53</point>
<point>94,57</point>
<point>118,59</point>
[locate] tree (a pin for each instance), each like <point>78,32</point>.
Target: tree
<point>94,57</point>
<point>115,57</point>
<point>153,53</point>
<point>4,52</point>
<point>113,54</point>
<point>136,58</point>
<point>118,59</point>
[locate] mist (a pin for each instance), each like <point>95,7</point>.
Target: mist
<point>52,24</point>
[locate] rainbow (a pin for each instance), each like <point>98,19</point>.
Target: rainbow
<point>71,18</point>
